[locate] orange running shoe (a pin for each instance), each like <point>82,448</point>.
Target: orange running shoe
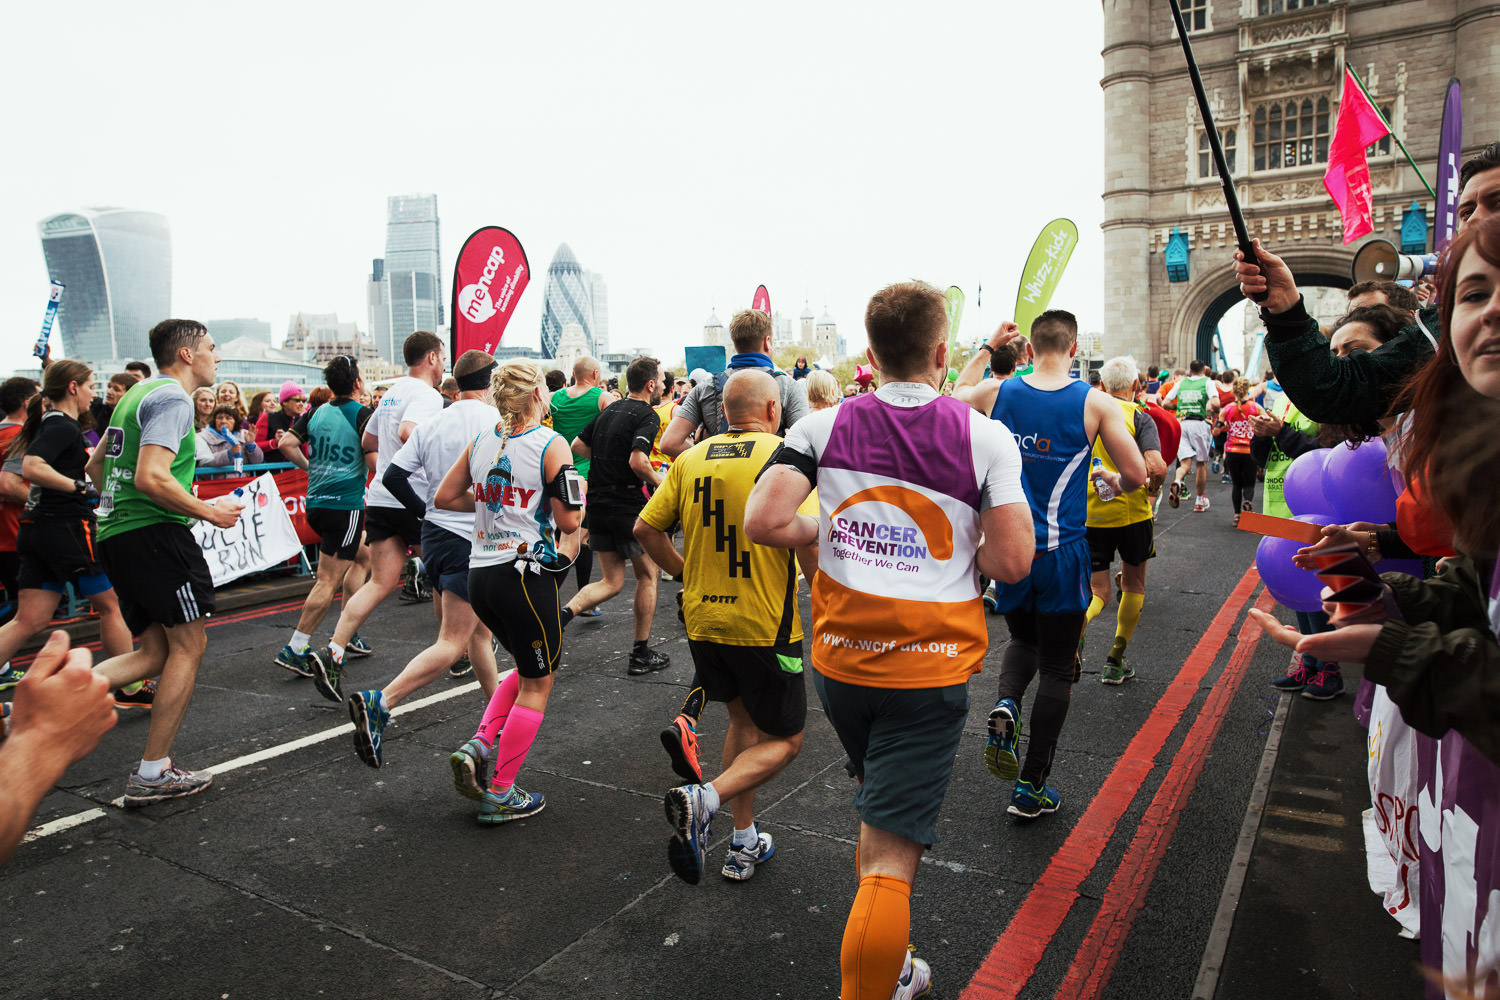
<point>681,742</point>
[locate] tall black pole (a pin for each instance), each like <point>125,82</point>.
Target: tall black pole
<point>1241,234</point>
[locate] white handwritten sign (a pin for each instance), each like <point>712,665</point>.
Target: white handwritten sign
<point>263,538</point>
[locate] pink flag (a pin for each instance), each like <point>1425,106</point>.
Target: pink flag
<point>762,300</point>
<point>1348,175</point>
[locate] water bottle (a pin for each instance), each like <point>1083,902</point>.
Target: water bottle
<point>1101,488</point>
<point>239,462</point>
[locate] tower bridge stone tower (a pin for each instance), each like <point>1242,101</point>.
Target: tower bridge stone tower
<point>1273,71</point>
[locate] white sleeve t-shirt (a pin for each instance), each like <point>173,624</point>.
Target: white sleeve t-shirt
<point>408,399</point>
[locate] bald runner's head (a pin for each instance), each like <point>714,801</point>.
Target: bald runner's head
<point>586,370</point>
<point>752,401</point>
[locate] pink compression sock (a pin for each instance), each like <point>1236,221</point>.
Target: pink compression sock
<point>515,743</point>
<point>498,708</point>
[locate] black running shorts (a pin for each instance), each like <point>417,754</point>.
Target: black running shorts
<point>524,612</point>
<point>767,679</point>
<point>392,522</point>
<point>160,576</point>
<point>339,531</point>
<point>55,552</point>
<point>612,529</point>
<point>1135,543</point>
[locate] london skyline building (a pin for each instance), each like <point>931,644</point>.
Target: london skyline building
<point>117,266</point>
<point>568,300</point>
<point>412,280</point>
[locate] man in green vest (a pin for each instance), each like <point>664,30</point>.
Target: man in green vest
<point>1195,399</point>
<point>144,468</point>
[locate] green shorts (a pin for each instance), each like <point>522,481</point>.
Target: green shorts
<point>901,744</point>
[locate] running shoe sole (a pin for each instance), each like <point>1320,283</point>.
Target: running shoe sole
<point>1003,763</point>
<point>465,775</point>
<point>681,745</point>
<point>364,743</point>
<point>1174,494</point>
<point>326,685</point>
<point>686,858</point>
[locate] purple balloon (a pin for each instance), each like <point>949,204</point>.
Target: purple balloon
<point>1357,482</point>
<point>1302,486</point>
<point>1298,589</point>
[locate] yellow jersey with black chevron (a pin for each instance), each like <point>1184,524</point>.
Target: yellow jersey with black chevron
<point>735,592</point>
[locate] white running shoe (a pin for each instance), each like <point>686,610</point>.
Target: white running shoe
<point>916,979</point>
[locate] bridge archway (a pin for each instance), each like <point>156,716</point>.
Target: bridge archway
<point>1215,292</point>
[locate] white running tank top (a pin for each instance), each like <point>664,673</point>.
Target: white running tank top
<point>510,499</point>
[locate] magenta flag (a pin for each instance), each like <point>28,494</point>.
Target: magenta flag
<point>1348,176</point>
<point>488,279</point>
<point>762,300</point>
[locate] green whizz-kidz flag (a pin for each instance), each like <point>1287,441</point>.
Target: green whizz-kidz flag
<point>1044,269</point>
<point>955,297</point>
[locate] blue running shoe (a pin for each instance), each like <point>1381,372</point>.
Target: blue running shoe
<point>690,817</point>
<point>514,804</point>
<point>327,674</point>
<point>1028,802</point>
<point>10,677</point>
<point>358,647</point>
<point>298,663</point>
<point>741,862</point>
<point>991,599</point>
<point>470,764</point>
<point>1000,754</point>
<point>367,712</point>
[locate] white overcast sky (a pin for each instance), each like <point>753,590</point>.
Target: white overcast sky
<point>687,152</point>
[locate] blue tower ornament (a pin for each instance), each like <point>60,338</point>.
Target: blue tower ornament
<point>1177,255</point>
<point>1414,229</point>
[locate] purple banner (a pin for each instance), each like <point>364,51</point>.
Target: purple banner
<point>1450,151</point>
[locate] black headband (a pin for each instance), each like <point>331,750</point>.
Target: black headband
<point>478,379</point>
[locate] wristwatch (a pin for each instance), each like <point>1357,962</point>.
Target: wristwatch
<point>987,347</point>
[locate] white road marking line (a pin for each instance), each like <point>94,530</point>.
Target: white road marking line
<point>64,823</point>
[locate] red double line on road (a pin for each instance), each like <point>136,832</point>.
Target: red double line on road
<point>213,622</point>
<point>1019,949</point>
<point>1096,957</point>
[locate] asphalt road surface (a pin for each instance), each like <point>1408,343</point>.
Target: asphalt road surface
<point>304,873</point>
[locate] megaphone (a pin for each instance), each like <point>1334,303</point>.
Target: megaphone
<point>1378,260</point>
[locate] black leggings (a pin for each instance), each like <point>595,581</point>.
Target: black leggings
<point>1241,469</point>
<point>523,611</point>
<point>1046,645</point>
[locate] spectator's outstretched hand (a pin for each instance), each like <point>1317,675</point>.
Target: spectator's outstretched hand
<point>62,708</point>
<point>1272,276</point>
<point>62,703</point>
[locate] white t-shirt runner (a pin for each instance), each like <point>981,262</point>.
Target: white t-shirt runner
<point>408,399</point>
<point>435,446</point>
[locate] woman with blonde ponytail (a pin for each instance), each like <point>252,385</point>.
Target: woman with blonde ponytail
<point>518,480</point>
<point>1238,463</point>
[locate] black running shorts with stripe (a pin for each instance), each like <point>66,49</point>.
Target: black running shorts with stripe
<point>160,576</point>
<point>339,531</point>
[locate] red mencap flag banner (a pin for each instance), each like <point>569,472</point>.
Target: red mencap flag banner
<point>488,280</point>
<point>1348,176</point>
<point>762,300</point>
